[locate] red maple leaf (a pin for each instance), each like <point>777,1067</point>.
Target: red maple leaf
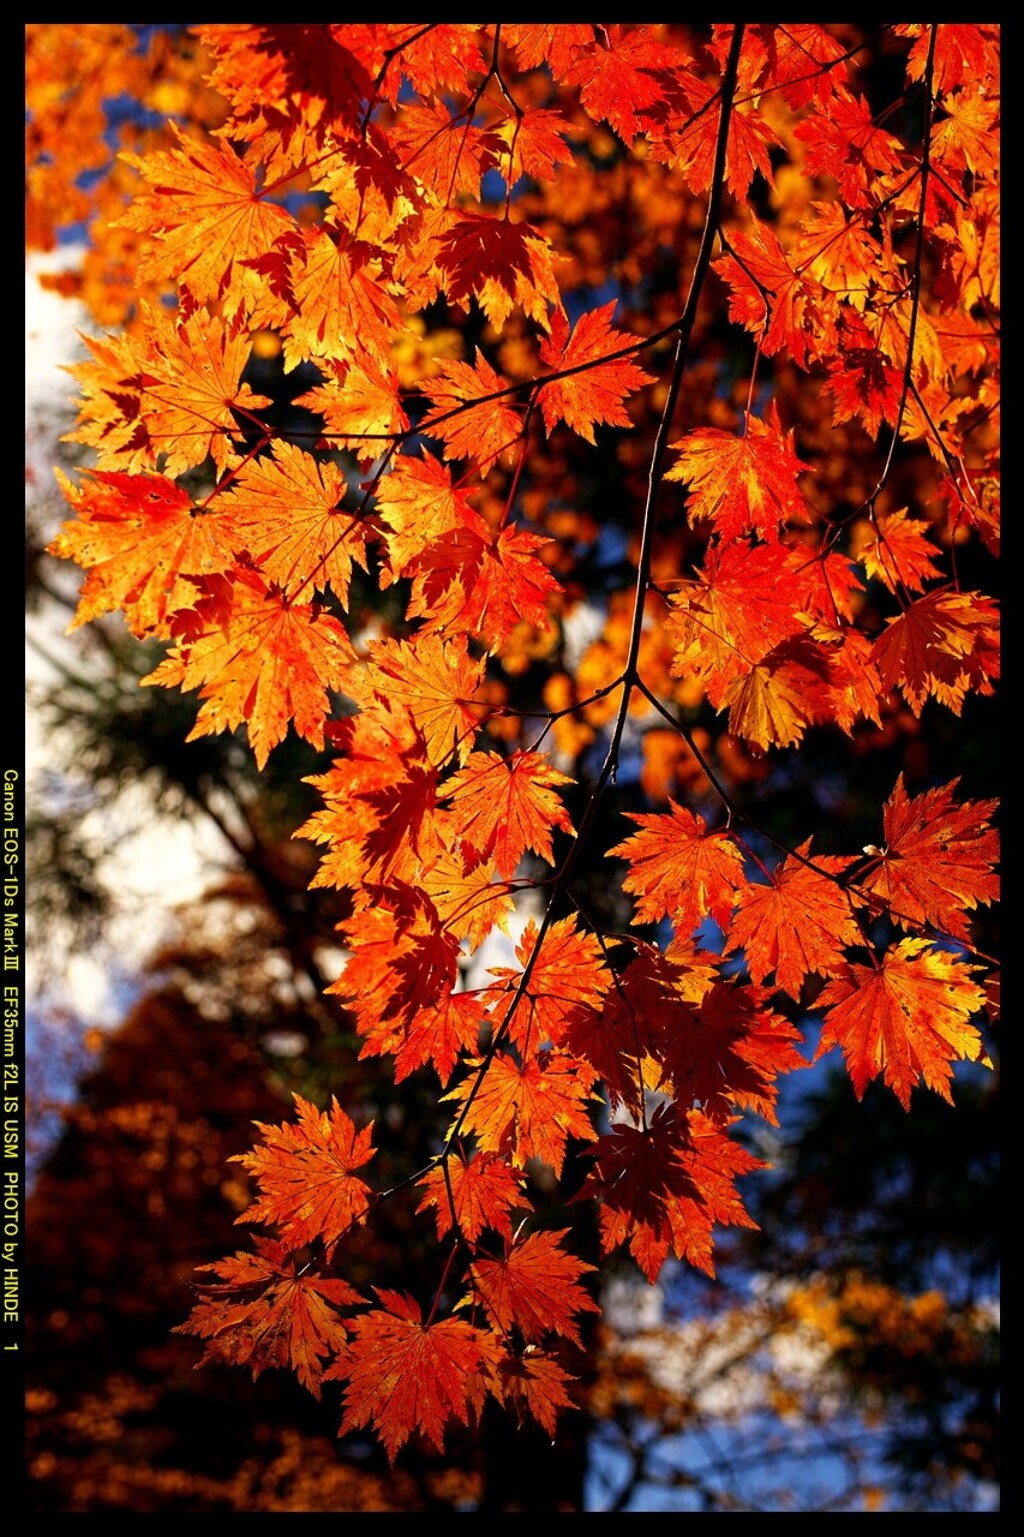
<point>477,1193</point>
<point>597,393</point>
<point>535,1288</point>
<point>308,1188</point>
<point>265,1311</point>
<point>905,1018</point>
<point>679,870</point>
<point>937,864</point>
<point>407,1376</point>
<point>742,485</point>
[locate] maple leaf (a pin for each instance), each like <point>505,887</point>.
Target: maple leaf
<point>774,298</point>
<point>497,262</point>
<point>360,406</point>
<point>534,145</point>
<point>776,700</point>
<point>438,1032</point>
<point>567,976</point>
<point>801,921</point>
<point>418,504</point>
<point>204,217</point>
<point>308,1189</point>
<point>530,1109</point>
<point>596,394</point>
<point>557,44</point>
<point>943,645</point>
<point>285,511</point>
<point>402,961</point>
<point>663,1186</point>
<point>405,1375</point>
<point>864,383</point>
<point>743,484</point>
<point>379,821</point>
<point>800,55</point>
<point>746,602</point>
<point>906,1018</point>
<point>896,550</point>
<point>691,149</point>
<point>340,306</point>
<point>435,680</point>
<point>840,253</point>
<point>296,75</point>
<point>619,82</point>
<point>474,582</point>
<point>171,394</point>
<point>446,155</point>
<point>937,862</point>
<point>535,1383</point>
<point>483,1192</point>
<point>468,900</point>
<point>192,391</point>
<point>269,663</point>
<point>679,870</point>
<point>848,145</point>
<point>504,806</point>
<point>482,432</point>
<point>139,539</point>
<point>535,1288</point>
<point>263,1311</point>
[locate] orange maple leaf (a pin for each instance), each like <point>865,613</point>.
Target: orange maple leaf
<point>742,485</point>
<point>308,1188</point>
<point>774,299</point>
<point>944,645</point>
<point>896,550</point>
<point>567,977</point>
<point>596,394</point>
<point>192,391</point>
<point>938,857</point>
<point>408,1376</point>
<point>747,601</point>
<point>139,539</point>
<point>340,305</point>
<point>534,1382</point>
<point>664,1185</point>
<point>801,921</point>
<point>504,806</point>
<point>483,1193</point>
<point>285,511</point>
<point>436,680</point>
<point>267,662</point>
<point>402,961</point>
<point>205,220</point>
<point>906,1018</point>
<point>360,406</point>
<point>379,820</point>
<point>438,1033</point>
<point>264,1311</point>
<point>470,581</point>
<point>776,700</point>
<point>529,1109</point>
<point>535,1288</point>
<point>482,432</point>
<point>418,504</point>
<point>468,900</point>
<point>679,870</point>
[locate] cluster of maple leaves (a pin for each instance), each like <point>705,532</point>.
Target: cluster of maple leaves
<point>351,187</point>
